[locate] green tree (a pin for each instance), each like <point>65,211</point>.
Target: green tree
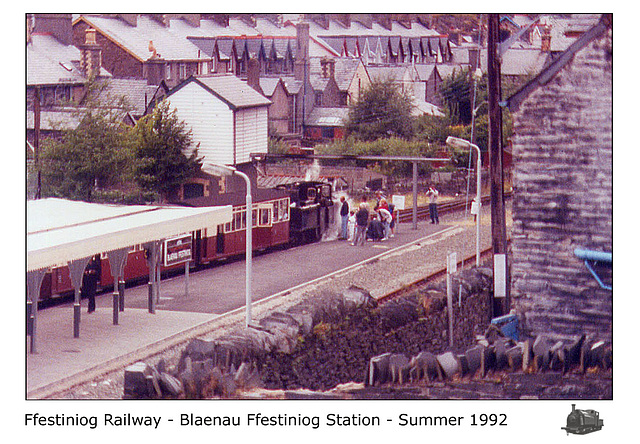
<point>457,92</point>
<point>163,149</point>
<point>383,110</point>
<point>89,159</point>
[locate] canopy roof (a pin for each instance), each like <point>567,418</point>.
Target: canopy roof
<point>60,230</point>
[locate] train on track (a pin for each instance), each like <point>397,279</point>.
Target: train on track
<point>289,214</point>
<point>581,422</point>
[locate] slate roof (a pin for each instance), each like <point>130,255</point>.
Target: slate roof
<point>325,116</point>
<point>293,86</point>
<point>357,29</point>
<point>520,62</point>
<point>345,72</point>
<point>54,119</point>
<point>425,71</point>
<point>169,42</point>
<point>392,72</point>
<point>229,88</point>
<point>137,93</point>
<point>560,26</point>
<point>268,85</point>
<point>50,62</point>
<point>557,64</point>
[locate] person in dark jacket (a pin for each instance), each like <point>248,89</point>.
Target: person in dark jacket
<point>90,282</point>
<point>375,231</point>
<point>344,215</point>
<point>362,221</point>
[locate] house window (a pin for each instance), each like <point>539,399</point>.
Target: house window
<point>182,70</point>
<point>193,190</point>
<point>167,71</point>
<point>319,98</point>
<point>327,133</point>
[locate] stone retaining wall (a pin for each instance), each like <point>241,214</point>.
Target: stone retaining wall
<point>330,331</point>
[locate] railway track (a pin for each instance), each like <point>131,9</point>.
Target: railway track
<point>434,277</point>
<point>443,208</point>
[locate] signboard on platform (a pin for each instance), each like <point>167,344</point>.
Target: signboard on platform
<point>177,250</point>
<point>398,201</point>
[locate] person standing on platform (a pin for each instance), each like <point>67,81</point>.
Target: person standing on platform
<point>344,215</point>
<point>90,282</point>
<point>385,218</point>
<point>352,226</point>
<point>379,199</point>
<point>433,194</point>
<point>394,216</point>
<point>362,221</point>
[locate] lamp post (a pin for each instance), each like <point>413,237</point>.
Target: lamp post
<point>223,170</point>
<point>456,142</point>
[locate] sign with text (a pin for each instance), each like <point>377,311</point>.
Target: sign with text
<point>398,201</point>
<point>177,250</point>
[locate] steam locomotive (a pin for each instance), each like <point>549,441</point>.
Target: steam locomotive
<point>288,214</point>
<point>581,422</point>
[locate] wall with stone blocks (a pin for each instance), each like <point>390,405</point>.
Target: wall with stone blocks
<point>563,197</point>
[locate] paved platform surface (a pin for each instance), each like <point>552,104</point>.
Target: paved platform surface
<point>216,296</point>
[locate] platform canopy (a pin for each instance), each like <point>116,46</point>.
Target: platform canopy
<point>61,230</point>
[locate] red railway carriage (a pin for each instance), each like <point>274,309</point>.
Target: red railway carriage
<point>270,224</point>
<point>270,216</point>
<point>298,212</point>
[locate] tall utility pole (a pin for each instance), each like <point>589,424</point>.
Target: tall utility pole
<point>36,141</point>
<point>498,222</point>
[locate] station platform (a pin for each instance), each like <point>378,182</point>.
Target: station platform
<point>214,299</point>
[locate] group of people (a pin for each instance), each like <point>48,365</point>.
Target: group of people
<point>378,224</point>
<point>362,224</point>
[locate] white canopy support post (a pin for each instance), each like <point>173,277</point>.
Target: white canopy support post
<point>76,271</point>
<point>117,259</point>
<point>34,282</point>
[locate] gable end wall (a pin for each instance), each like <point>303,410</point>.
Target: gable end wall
<point>563,198</point>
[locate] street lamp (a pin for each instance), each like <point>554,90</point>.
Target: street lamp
<point>456,142</point>
<point>224,170</point>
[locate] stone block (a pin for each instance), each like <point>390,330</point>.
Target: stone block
<point>449,364</point>
<point>378,370</point>
<point>423,366</point>
<point>170,385</point>
<point>136,385</point>
<point>474,358</point>
<point>488,361</point>
<point>514,357</point>
<point>399,368</point>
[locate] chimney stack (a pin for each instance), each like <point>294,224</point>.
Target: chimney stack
<point>253,75</point>
<point>328,66</point>
<point>29,28</point>
<point>545,44</point>
<point>302,53</point>
<point>90,54</point>
<point>57,25</point>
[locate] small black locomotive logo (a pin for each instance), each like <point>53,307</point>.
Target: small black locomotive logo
<point>581,422</point>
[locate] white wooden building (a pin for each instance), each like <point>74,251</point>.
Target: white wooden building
<point>227,117</point>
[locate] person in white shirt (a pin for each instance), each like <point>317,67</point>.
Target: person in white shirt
<point>385,217</point>
<point>432,194</point>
